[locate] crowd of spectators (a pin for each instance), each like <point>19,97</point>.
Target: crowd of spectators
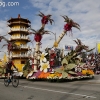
<point>93,60</point>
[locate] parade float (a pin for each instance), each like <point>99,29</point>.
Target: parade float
<point>50,64</point>
<point>53,64</point>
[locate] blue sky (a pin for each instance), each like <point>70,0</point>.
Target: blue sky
<point>84,12</point>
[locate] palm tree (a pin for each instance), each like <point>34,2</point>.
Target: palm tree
<point>38,36</point>
<point>68,27</point>
<point>70,23</point>
<point>80,46</point>
<point>45,19</point>
<point>9,44</point>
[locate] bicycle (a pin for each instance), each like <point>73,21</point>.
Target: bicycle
<point>14,79</point>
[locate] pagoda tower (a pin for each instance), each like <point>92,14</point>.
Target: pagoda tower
<point>19,34</point>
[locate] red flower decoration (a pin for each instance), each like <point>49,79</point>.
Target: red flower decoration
<point>44,20</point>
<point>67,27</point>
<point>52,57</point>
<point>37,37</point>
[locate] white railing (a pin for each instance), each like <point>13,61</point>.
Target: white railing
<point>19,37</point>
<point>19,29</point>
<point>22,47</point>
<point>20,55</point>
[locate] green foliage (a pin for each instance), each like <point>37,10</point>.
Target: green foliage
<point>59,70</point>
<point>66,69</point>
<point>64,74</point>
<point>27,65</point>
<point>25,73</point>
<point>70,66</point>
<point>64,61</point>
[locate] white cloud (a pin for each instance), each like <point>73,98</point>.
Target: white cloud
<point>3,31</point>
<point>26,7</point>
<point>85,12</point>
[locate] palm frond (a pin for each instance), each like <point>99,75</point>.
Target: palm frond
<point>75,42</point>
<point>79,41</point>
<point>40,30</point>
<point>51,20</point>
<point>74,25</point>
<point>5,38</point>
<point>45,32</point>
<point>4,45</point>
<point>66,18</point>
<point>77,24</point>
<point>90,50</point>
<point>41,14</point>
<point>49,16</point>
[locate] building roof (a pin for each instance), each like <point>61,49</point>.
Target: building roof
<point>18,19</point>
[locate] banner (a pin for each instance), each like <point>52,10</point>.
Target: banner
<point>98,47</point>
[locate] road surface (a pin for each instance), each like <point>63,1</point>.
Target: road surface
<point>41,90</point>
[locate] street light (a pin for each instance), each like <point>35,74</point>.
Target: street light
<point>54,35</point>
<point>55,43</point>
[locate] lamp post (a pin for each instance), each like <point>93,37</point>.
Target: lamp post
<point>55,36</point>
<point>55,43</point>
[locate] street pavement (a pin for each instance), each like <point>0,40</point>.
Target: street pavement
<point>43,90</point>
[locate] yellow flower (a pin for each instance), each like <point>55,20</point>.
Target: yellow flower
<point>90,72</point>
<point>84,72</point>
<point>54,75</point>
<point>44,66</point>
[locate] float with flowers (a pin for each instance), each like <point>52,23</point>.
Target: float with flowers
<point>52,64</point>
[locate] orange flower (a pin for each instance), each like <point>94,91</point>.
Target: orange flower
<point>43,75</point>
<point>84,72</point>
<point>90,72</point>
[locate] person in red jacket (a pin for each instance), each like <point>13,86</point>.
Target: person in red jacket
<point>9,65</point>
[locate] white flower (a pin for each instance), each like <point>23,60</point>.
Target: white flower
<point>44,66</point>
<point>42,57</point>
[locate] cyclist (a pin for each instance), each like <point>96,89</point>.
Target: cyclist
<point>9,70</point>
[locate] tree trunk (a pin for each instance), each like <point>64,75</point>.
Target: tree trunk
<point>61,36</point>
<point>36,55</point>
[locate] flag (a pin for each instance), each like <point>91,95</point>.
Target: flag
<point>69,48</point>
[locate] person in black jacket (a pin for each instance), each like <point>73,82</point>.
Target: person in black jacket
<point>9,65</point>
